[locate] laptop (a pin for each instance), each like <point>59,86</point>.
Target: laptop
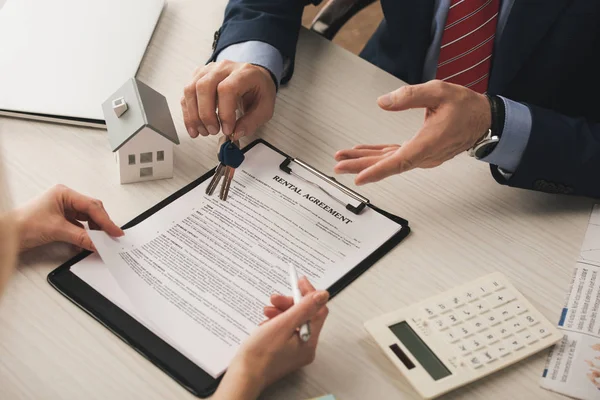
<point>61,59</point>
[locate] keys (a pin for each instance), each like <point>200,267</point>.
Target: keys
<point>230,157</point>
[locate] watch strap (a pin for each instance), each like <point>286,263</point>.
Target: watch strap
<point>498,112</point>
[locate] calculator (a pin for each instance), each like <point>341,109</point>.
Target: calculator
<point>464,334</point>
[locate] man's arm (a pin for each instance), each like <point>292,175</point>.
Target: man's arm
<point>258,39</point>
<point>275,22</point>
<point>561,153</point>
<point>562,156</point>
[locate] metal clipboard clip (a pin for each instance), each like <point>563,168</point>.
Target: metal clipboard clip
<point>285,167</point>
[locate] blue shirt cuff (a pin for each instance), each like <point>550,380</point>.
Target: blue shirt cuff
<point>517,129</point>
<point>255,52</point>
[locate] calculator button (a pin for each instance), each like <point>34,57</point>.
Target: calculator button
<point>473,343</point>
<point>483,289</point>
<point>516,325</point>
<point>514,307</point>
<point>440,324</point>
<point>515,343</point>
<point>490,336</point>
<point>456,301</point>
<point>528,319</point>
<point>462,349</point>
<point>451,318</point>
<point>466,312</point>
<point>479,324</point>
<point>481,306</point>
<point>451,335</point>
<point>487,355</point>
<point>527,337</point>
<point>499,298</point>
<point>474,361</point>
<point>504,313</point>
<point>469,296</point>
<point>542,332</point>
<point>492,318</point>
<point>504,330</point>
<point>429,312</point>
<point>496,284</point>
<point>442,307</point>
<point>501,349</point>
<point>465,330</point>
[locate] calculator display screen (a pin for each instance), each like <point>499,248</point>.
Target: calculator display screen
<point>420,350</point>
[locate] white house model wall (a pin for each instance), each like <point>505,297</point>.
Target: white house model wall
<point>146,156</point>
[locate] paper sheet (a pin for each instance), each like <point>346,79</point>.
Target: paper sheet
<point>573,366</point>
<point>200,271</point>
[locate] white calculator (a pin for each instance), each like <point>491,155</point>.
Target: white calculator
<point>464,334</point>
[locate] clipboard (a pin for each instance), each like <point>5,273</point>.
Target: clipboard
<point>149,345</point>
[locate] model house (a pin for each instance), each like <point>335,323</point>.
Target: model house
<point>141,132</point>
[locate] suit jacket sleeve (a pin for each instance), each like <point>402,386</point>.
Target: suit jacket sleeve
<point>562,156</point>
<point>276,22</point>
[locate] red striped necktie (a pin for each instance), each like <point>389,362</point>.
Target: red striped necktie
<point>467,43</point>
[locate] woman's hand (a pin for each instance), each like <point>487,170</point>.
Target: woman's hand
<point>274,349</point>
<point>55,216</point>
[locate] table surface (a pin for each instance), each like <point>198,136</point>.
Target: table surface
<point>464,225</point>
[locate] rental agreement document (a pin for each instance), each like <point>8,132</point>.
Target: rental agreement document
<point>199,271</point>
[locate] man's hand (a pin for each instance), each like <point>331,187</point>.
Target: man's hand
<point>274,349</point>
<point>219,89</point>
<point>455,119</point>
<point>55,216</point>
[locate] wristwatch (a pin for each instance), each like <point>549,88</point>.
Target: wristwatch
<point>488,142</point>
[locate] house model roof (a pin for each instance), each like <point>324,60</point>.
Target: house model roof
<point>144,107</point>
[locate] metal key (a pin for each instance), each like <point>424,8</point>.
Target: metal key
<point>232,157</point>
<point>219,172</point>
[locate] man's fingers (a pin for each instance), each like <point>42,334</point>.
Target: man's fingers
<point>356,165</point>
<point>229,91</point>
<point>409,156</point>
<point>426,95</point>
<point>206,93</point>
<point>67,232</point>
<point>93,208</point>
<point>375,146</point>
<point>191,119</point>
<point>259,113</point>
<point>350,154</point>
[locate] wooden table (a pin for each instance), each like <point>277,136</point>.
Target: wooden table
<point>464,226</point>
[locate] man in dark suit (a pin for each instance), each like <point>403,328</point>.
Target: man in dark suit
<point>515,82</point>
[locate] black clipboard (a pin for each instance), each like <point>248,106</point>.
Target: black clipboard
<point>140,338</point>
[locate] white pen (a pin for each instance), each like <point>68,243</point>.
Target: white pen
<point>305,328</point>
